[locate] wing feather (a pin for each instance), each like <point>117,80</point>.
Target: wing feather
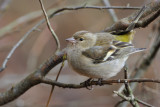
<point>115,50</point>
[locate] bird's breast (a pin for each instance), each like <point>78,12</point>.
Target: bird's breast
<point>86,67</point>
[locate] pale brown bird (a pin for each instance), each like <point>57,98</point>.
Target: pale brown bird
<point>99,55</point>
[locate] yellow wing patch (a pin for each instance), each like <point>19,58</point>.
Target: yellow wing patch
<point>126,37</point>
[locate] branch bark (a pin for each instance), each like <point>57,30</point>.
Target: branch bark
<point>31,80</point>
<point>145,20</point>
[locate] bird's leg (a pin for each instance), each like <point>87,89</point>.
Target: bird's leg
<point>87,84</point>
<point>100,81</point>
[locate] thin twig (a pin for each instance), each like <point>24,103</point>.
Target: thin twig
<point>111,11</point>
<point>131,95</point>
<point>125,72</point>
<point>49,26</point>
<point>92,7</point>
<point>122,96</point>
<point>128,92</point>
<point>51,93</point>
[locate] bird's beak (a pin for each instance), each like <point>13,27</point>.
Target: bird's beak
<point>71,40</point>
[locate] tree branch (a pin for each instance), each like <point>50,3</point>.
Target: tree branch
<point>105,82</point>
<point>31,80</point>
<point>125,22</point>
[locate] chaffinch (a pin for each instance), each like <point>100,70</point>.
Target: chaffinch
<point>99,55</point>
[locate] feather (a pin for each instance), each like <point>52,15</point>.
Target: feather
<point>117,49</point>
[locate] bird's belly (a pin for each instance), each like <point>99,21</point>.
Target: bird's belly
<point>108,69</point>
<point>102,70</point>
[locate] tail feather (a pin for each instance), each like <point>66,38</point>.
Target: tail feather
<point>135,50</point>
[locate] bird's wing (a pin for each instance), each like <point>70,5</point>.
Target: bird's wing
<point>115,50</point>
<point>99,53</point>
<point>123,49</point>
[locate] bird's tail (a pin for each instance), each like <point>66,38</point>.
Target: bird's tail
<point>135,50</point>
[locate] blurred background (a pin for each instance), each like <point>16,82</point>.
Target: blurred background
<point>17,17</point>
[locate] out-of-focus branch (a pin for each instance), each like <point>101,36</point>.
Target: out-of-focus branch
<point>111,11</point>
<point>4,5</point>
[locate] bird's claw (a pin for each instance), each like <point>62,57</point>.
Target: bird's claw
<point>87,84</point>
<point>100,82</point>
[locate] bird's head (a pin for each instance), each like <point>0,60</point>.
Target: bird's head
<point>82,39</point>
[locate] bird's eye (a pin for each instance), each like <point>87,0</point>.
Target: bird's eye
<point>81,39</point>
